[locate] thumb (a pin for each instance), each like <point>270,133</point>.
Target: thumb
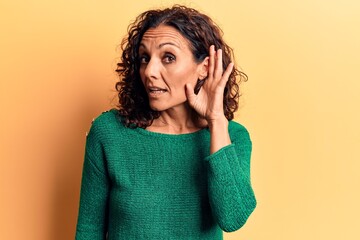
<point>191,96</point>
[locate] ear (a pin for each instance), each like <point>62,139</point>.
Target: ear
<point>204,68</point>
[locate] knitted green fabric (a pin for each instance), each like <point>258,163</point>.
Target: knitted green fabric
<point>138,184</point>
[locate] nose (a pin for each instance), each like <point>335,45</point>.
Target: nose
<point>152,69</point>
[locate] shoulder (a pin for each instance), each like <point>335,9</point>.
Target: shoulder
<point>106,122</point>
<point>238,131</point>
<point>107,117</point>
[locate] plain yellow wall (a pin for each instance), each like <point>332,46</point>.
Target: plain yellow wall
<point>301,106</point>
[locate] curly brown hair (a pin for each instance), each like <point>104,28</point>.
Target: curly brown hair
<point>200,31</point>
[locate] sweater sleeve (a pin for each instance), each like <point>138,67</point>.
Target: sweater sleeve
<point>93,209</point>
<point>231,196</point>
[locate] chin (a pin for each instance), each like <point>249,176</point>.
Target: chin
<point>163,105</point>
<point>157,107</point>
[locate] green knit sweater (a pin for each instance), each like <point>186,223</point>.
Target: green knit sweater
<point>138,184</point>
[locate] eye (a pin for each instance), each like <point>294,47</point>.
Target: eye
<point>169,58</point>
<point>143,59</point>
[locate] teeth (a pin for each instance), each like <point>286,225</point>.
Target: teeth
<point>157,90</point>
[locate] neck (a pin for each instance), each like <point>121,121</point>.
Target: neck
<point>178,120</point>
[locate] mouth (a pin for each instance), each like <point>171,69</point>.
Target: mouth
<point>155,91</point>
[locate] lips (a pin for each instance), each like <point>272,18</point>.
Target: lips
<point>156,90</point>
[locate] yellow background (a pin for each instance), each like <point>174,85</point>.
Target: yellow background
<point>301,106</point>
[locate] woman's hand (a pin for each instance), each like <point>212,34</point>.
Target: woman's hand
<point>208,103</point>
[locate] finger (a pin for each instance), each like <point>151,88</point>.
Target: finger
<point>211,60</point>
<point>218,68</point>
<point>226,75</point>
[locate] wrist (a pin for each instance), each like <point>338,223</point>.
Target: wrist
<point>218,123</point>
<point>219,134</point>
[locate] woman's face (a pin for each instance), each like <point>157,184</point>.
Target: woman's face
<point>166,65</point>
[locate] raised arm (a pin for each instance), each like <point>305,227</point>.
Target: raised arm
<point>231,196</point>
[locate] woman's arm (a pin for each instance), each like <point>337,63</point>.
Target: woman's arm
<point>231,196</point>
<point>93,209</point>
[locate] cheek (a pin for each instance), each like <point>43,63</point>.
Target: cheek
<point>142,75</point>
<point>183,75</point>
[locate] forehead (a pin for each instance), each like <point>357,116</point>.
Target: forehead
<point>163,34</point>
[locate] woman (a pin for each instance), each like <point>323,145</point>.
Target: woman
<point>169,163</point>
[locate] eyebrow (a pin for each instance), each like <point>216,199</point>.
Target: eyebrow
<point>168,43</point>
<point>161,45</point>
